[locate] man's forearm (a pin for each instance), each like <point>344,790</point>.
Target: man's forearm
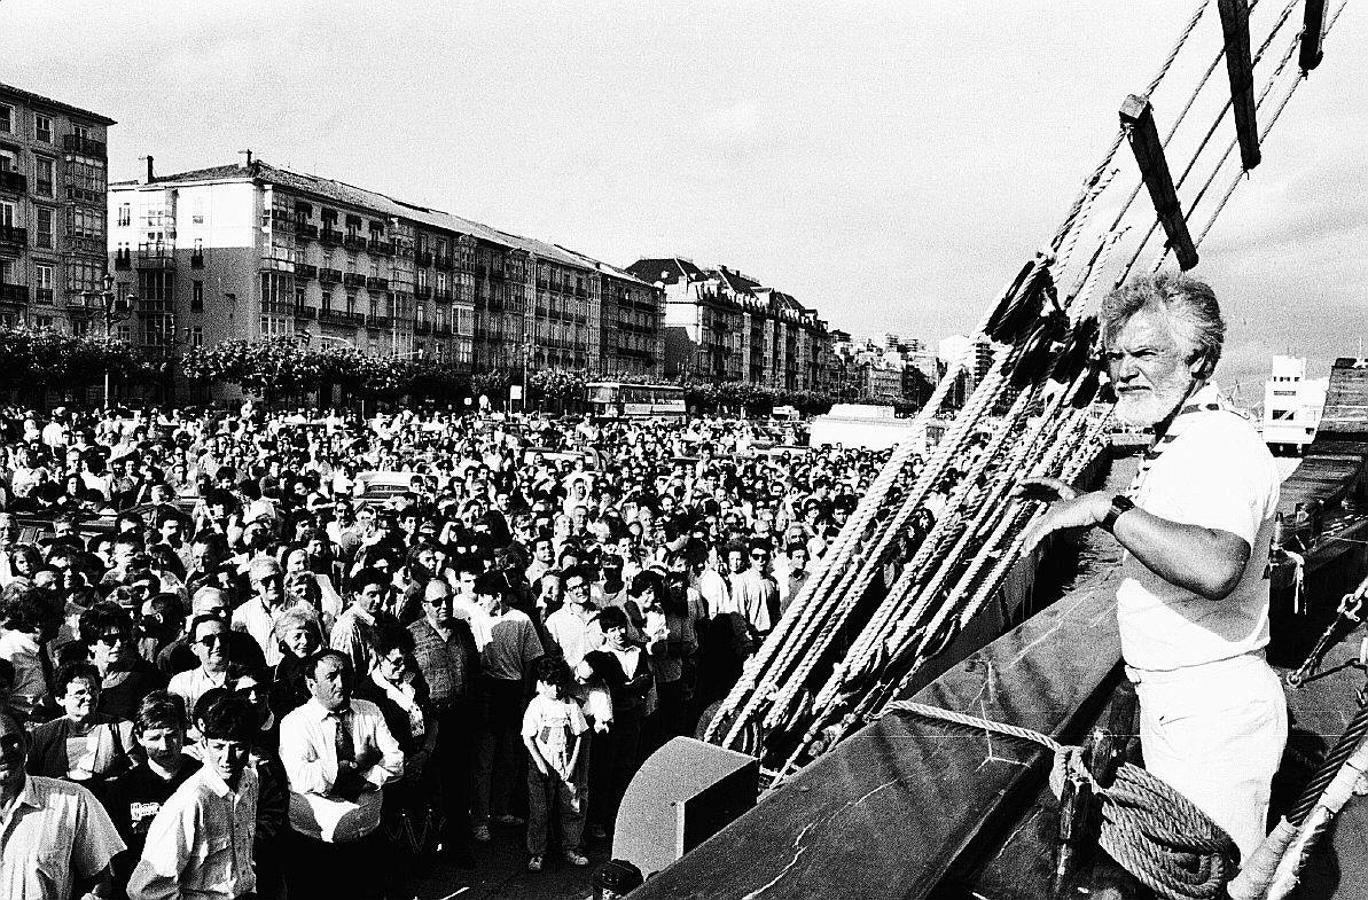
<point>1207,561</point>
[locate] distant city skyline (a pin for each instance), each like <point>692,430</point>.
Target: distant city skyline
<point>889,164</point>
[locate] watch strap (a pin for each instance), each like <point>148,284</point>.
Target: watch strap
<point>1120,505</point>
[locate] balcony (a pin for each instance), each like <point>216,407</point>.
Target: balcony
<point>354,279</point>
<point>305,313</point>
<point>378,321</point>
<point>445,296</point>
<point>444,262</point>
<point>340,317</point>
<point>74,143</point>
<point>377,284</point>
<point>381,246</point>
<point>13,293</point>
<point>329,276</point>
<point>423,292</point>
<point>306,231</point>
<point>305,272</point>
<point>353,242</point>
<point>84,195</point>
<point>13,236</point>
<point>156,256</point>
<point>277,264</point>
<point>43,295</point>
<point>423,258</point>
<point>283,219</point>
<point>329,236</point>
<point>16,182</point>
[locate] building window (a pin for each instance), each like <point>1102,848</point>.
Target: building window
<point>85,174</point>
<point>42,128</point>
<point>86,223</point>
<point>43,186</point>
<point>327,301</point>
<point>84,276</point>
<point>9,160</point>
<point>44,323</point>
<point>197,336</point>
<point>81,131</point>
<point>125,215</point>
<point>44,278</point>
<point>197,296</point>
<point>274,326</point>
<point>124,333</point>
<point>197,216</point>
<point>6,118</point>
<point>43,238</point>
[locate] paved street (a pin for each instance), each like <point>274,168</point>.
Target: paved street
<point>502,872</point>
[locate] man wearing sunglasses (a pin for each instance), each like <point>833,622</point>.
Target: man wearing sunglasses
<point>209,640</point>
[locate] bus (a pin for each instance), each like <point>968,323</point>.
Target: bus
<point>616,399</point>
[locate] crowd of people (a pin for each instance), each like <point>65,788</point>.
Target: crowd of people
<point>257,653</point>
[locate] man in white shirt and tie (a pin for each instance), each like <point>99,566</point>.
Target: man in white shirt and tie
<point>338,755</point>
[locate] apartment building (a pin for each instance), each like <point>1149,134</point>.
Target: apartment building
<point>53,180</point>
<point>722,324</point>
<point>253,251</point>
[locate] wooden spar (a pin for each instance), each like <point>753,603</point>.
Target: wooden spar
<point>1235,25</point>
<point>1137,116</point>
<point>1313,30</point>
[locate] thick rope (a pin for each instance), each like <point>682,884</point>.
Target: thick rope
<point>1334,760</point>
<point>1150,829</point>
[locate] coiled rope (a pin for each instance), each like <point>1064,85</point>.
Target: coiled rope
<point>1150,829</point>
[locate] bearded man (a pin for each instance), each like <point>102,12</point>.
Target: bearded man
<point>1192,605</point>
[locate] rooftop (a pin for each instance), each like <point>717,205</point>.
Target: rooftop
<point>32,99</point>
<point>340,192</point>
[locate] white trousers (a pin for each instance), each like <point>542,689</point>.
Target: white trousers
<point>1216,734</point>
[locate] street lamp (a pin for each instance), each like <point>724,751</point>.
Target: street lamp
<point>115,310</point>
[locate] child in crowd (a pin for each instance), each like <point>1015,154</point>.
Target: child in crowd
<point>554,732</point>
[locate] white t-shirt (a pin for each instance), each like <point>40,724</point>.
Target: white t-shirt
<point>552,725</point>
<point>1217,473</point>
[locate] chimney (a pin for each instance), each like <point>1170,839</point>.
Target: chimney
<point>151,176</point>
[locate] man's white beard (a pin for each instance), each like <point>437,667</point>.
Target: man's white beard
<point>1146,408</point>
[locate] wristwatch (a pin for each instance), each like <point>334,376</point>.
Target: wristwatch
<point>1120,505</point>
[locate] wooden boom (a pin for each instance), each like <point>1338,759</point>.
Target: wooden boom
<point>1137,115</point>
<point>1235,24</point>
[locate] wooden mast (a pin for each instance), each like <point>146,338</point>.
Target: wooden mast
<point>1137,115</point>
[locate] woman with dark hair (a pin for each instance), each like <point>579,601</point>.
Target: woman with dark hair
<point>125,677</point>
<point>83,745</point>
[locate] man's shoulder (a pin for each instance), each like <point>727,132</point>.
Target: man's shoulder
<point>51,791</point>
<point>365,707</point>
<point>301,714</point>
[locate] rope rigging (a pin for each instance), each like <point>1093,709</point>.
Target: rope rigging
<point>887,598</point>
<point>1150,829</point>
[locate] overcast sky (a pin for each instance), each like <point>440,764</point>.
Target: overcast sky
<point>889,163</point>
